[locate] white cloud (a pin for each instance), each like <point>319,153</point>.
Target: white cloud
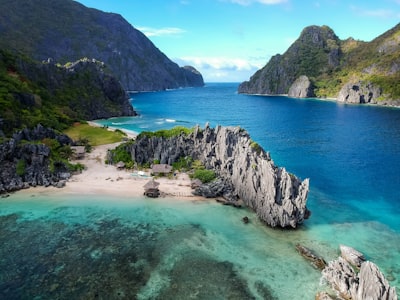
<point>220,63</point>
<point>379,13</point>
<point>266,2</point>
<point>149,31</point>
<point>222,68</point>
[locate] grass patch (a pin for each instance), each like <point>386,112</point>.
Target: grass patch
<point>95,135</point>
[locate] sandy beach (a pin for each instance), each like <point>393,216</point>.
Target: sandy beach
<point>101,179</point>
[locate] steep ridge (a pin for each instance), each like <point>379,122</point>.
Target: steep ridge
<point>56,96</point>
<point>314,52</point>
<point>66,31</point>
<point>246,170</point>
<point>349,70</point>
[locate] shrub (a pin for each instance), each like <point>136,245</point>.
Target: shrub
<point>20,168</point>
<point>204,175</point>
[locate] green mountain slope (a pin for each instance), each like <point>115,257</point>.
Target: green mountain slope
<point>65,30</point>
<point>349,70</point>
<point>55,95</point>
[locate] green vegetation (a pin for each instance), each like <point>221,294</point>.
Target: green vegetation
<point>20,168</point>
<point>121,153</point>
<point>183,164</point>
<point>94,135</point>
<point>167,133</point>
<point>256,147</point>
<point>204,175</point>
<point>33,93</point>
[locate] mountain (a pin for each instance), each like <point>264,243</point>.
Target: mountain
<point>66,31</point>
<point>56,95</point>
<point>319,64</point>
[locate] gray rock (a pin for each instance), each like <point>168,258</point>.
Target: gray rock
<point>352,256</point>
<point>323,296</point>
<point>360,92</point>
<point>301,88</point>
<point>35,158</point>
<point>247,171</point>
<point>368,283</point>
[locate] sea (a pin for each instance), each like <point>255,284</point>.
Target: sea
<point>102,247</point>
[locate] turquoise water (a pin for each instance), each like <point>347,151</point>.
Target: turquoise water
<point>168,249</point>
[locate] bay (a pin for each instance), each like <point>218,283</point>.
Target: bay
<point>98,247</point>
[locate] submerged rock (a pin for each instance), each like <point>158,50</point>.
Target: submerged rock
<point>317,261</point>
<point>245,171</point>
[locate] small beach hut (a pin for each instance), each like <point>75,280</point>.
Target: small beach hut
<point>78,152</point>
<point>161,169</point>
<point>151,189</point>
<point>120,165</point>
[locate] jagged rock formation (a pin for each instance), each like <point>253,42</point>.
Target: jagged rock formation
<point>66,31</point>
<point>368,283</point>
<point>334,66</point>
<point>301,88</point>
<point>359,93</point>
<point>278,197</point>
<point>56,96</point>
<point>314,52</point>
<point>28,163</point>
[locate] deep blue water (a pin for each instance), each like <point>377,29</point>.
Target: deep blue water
<point>349,152</point>
<point>68,246</point>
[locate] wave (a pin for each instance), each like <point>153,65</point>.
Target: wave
<point>170,120</point>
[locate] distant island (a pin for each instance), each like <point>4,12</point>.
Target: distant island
<point>319,64</point>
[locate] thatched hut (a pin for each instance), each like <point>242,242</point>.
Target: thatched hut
<point>161,169</point>
<point>151,189</point>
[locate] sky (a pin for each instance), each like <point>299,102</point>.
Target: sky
<point>229,40</point>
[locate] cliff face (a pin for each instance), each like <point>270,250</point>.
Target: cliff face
<point>26,162</point>
<point>55,95</point>
<point>65,31</point>
<point>314,52</point>
<point>334,67</point>
<point>248,173</point>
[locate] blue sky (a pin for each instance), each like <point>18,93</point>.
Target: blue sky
<point>228,40</point>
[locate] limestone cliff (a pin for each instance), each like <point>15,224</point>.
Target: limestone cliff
<point>301,88</point>
<point>334,67</point>
<point>26,161</point>
<point>278,197</point>
<point>56,96</point>
<point>314,52</point>
<point>66,31</point>
<point>357,282</point>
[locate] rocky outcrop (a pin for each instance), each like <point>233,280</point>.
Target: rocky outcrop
<point>359,93</point>
<point>368,283</point>
<point>247,171</point>
<point>25,162</point>
<point>66,31</point>
<point>301,88</point>
<point>316,261</point>
<point>313,53</point>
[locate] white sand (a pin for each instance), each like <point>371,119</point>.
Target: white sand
<point>101,179</point>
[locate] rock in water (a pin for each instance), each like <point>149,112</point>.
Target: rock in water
<point>368,283</point>
<point>359,93</point>
<point>353,256</point>
<point>301,88</point>
<point>247,171</point>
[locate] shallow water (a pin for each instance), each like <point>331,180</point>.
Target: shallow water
<point>97,247</point>
<point>106,248</point>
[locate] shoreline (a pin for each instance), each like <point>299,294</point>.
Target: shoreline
<point>100,179</point>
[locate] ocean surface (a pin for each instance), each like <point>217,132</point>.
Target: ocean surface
<point>134,248</point>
